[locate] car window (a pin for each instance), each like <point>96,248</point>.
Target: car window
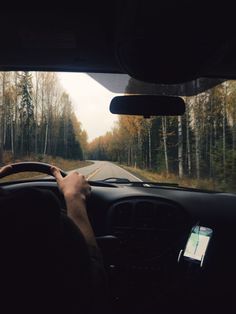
<point>64,119</point>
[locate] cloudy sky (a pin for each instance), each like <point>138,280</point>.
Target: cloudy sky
<point>91,102</point>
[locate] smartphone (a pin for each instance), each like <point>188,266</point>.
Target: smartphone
<point>197,244</point>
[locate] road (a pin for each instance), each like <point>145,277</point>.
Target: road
<point>100,170</point>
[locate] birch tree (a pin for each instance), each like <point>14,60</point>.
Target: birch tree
<point>180,147</point>
<point>224,129</point>
<point>188,150</point>
<point>164,135</point>
<point>31,110</point>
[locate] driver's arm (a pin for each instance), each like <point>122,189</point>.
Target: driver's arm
<point>75,189</point>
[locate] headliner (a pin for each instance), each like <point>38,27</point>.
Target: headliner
<point>167,42</point>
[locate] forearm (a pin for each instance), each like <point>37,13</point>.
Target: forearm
<point>75,188</point>
<point>77,212</point>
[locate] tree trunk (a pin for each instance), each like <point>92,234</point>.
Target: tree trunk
<point>42,117</point>
<point>139,148</point>
<point>2,118</point>
<point>197,141</point>
<point>36,114</point>
<point>164,127</point>
<point>5,127</point>
<point>197,154</point>
<point>180,147</point>
<point>211,140</point>
<point>188,142</point>
<point>15,114</point>
<point>224,125</point>
<point>46,140</point>
<point>211,153</point>
<point>12,138</point>
<point>22,136</point>
<point>149,147</point>
<point>234,145</point>
<point>131,156</point>
<point>128,156</point>
<point>1,142</point>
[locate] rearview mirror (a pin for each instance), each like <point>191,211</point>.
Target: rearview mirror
<point>148,105</point>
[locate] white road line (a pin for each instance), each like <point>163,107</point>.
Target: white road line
<point>130,174</point>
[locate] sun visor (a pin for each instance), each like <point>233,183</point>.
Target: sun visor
<point>124,84</point>
<point>154,61</point>
<point>164,45</point>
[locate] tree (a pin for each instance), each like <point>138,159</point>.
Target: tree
<point>180,147</point>
<point>164,134</point>
<point>188,149</point>
<point>32,107</point>
<point>26,109</point>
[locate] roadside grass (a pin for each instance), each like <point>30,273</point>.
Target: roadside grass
<point>206,184</point>
<point>65,164</point>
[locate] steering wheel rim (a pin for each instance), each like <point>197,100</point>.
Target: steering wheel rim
<point>29,166</point>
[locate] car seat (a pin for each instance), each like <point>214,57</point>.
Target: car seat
<point>44,260</point>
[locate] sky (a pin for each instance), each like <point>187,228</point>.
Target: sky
<point>91,103</point>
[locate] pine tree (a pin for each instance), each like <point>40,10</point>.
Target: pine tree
<point>26,109</point>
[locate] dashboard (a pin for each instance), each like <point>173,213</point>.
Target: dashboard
<point>141,231</point>
<point>147,228</point>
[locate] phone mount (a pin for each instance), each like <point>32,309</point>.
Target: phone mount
<point>196,246</point>
<point>181,258</point>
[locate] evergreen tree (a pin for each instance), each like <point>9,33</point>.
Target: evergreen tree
<point>26,109</point>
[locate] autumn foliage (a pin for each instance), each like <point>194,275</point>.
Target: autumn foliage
<point>37,118</point>
<point>201,144</point>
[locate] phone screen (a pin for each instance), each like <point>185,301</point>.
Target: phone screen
<point>197,243</point>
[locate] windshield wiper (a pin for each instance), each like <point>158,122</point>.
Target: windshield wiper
<point>137,183</point>
<point>150,184</point>
<point>111,181</point>
<point>167,185</point>
<point>115,180</point>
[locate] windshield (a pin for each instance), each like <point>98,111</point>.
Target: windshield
<point>64,119</point>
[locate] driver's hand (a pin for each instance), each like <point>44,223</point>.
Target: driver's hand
<point>74,185</point>
<point>4,169</point>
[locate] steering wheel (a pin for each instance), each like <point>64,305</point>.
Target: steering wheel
<point>29,166</point>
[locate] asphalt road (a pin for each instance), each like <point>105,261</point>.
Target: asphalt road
<point>103,169</point>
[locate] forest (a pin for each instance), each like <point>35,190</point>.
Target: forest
<point>37,118</point>
<point>200,144</point>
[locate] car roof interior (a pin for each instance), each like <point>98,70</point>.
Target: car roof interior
<point>166,42</point>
